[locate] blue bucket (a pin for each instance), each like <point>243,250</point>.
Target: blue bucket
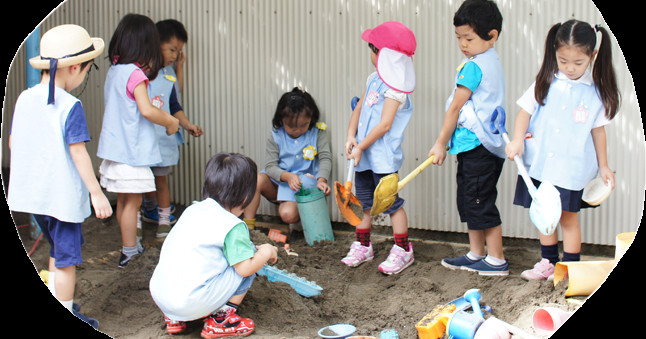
<point>314,214</point>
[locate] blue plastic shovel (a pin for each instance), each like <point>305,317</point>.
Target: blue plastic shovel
<point>545,210</point>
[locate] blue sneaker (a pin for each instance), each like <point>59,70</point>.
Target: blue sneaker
<point>485,268</point>
<point>152,216</point>
<point>91,321</point>
<point>458,263</point>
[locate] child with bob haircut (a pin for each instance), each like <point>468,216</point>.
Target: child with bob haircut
<point>479,88</point>
<point>127,144</point>
<point>560,130</point>
<point>208,262</point>
<point>297,156</point>
<point>51,172</point>
<point>375,135</point>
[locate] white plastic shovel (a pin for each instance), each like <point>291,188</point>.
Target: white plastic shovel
<point>545,210</point>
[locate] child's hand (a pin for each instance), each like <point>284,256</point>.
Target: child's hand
<point>293,180</point>
<point>173,126</point>
<point>269,250</point>
<point>356,154</point>
<point>606,173</point>
<point>323,186</point>
<point>438,151</point>
<point>181,57</point>
<point>350,143</point>
<point>194,130</point>
<point>101,205</point>
<point>514,148</point>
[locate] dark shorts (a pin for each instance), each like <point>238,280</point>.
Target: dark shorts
<point>365,183</point>
<point>65,238</point>
<point>478,173</point>
<point>570,200</point>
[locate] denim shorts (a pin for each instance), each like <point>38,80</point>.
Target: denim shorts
<point>477,176</point>
<point>365,183</point>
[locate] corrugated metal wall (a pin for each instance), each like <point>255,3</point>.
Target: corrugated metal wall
<point>243,54</point>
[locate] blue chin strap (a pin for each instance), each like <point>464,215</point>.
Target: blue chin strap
<point>53,66</point>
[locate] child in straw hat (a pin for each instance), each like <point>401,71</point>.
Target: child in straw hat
<point>51,171</point>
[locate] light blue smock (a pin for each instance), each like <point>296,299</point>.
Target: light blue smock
<point>159,92</point>
<point>385,155</point>
<point>298,156</point>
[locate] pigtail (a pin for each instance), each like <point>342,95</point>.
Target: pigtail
<point>604,76</point>
<point>548,68</point>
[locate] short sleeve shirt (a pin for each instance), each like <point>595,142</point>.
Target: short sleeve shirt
<point>237,245</point>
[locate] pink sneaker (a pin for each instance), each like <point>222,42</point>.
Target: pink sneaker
<point>543,270</point>
<point>397,260</point>
<point>358,254</point>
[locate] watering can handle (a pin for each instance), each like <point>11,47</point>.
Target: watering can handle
<point>497,125</point>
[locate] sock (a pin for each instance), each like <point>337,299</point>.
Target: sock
<point>363,236</point>
<point>494,261</point>
<point>551,253</point>
<point>223,311</point>
<point>51,283</point>
<point>130,251</point>
<point>164,216</point>
<point>251,223</point>
<point>140,248</point>
<point>571,256</point>
<point>138,220</point>
<point>475,257</point>
<point>67,304</point>
<point>401,240</point>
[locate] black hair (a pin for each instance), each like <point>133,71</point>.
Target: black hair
<point>584,36</point>
<point>230,179</point>
<point>293,104</point>
<point>171,28</point>
<point>135,40</point>
<point>481,15</point>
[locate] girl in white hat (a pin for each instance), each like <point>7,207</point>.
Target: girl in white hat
<point>375,136</point>
<point>128,143</point>
<point>51,172</point>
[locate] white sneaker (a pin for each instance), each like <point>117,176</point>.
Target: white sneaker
<point>358,254</point>
<point>397,260</point>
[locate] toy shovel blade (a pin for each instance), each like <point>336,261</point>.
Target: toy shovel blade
<point>350,207</point>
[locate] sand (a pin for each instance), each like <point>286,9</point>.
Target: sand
<point>362,296</point>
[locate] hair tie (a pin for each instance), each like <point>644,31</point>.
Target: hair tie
<point>595,27</point>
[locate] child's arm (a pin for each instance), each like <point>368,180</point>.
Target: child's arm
<point>599,141</point>
<point>387,117</point>
<point>152,113</point>
<point>517,144</point>
<point>192,129</point>
<point>325,161</point>
<point>83,165</point>
<point>266,253</point>
<point>351,139</point>
<point>462,94</point>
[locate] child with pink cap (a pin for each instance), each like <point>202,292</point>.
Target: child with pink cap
<point>375,136</point>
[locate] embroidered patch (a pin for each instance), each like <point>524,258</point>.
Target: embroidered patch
<point>372,98</point>
<point>321,125</point>
<point>309,152</point>
<point>171,78</point>
<point>580,114</point>
<point>157,102</point>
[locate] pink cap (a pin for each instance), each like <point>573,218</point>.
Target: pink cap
<point>393,35</point>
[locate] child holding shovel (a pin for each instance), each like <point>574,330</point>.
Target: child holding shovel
<point>375,136</point>
<point>561,129</point>
<point>479,89</point>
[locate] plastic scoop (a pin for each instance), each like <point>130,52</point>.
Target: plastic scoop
<point>350,207</point>
<point>596,192</point>
<point>545,210</point>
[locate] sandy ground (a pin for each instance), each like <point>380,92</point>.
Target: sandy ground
<point>120,300</point>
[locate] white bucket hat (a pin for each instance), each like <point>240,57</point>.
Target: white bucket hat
<point>396,44</point>
<point>64,46</point>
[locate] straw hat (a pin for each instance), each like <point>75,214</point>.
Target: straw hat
<point>396,44</point>
<point>69,45</point>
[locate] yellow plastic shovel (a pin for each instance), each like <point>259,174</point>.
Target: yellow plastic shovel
<point>389,186</point>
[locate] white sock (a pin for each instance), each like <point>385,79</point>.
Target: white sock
<point>130,251</point>
<point>474,257</point>
<point>51,283</point>
<point>68,304</point>
<point>164,215</point>
<point>494,261</point>
<point>138,220</point>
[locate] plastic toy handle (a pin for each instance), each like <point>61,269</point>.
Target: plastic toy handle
<point>353,102</point>
<point>498,125</point>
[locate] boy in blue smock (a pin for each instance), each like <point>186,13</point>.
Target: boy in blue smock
<point>479,89</point>
<point>52,176</point>
<point>163,92</point>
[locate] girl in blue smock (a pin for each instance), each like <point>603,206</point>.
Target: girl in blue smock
<point>560,130</point>
<point>127,144</point>
<point>297,156</point>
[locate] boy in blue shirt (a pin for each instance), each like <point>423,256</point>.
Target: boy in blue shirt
<point>479,89</point>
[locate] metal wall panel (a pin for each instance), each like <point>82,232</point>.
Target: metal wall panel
<point>243,54</point>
